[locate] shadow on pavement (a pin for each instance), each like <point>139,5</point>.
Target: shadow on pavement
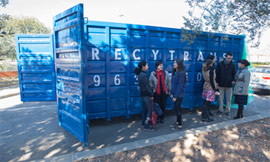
<point>30,131</point>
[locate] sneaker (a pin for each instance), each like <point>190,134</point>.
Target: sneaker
<point>211,119</point>
<point>174,124</point>
<point>176,127</point>
<point>219,112</point>
<point>207,120</point>
<point>148,129</point>
<point>228,113</point>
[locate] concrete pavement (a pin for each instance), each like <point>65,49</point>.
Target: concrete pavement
<point>30,131</point>
<point>9,91</point>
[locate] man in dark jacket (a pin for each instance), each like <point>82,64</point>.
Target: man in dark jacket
<point>225,74</point>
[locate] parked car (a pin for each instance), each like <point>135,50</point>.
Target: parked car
<point>260,78</point>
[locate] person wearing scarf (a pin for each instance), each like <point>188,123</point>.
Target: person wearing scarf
<point>160,83</point>
<point>242,79</point>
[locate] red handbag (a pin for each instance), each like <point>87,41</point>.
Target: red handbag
<point>154,115</point>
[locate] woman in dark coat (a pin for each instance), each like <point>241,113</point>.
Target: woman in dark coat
<point>146,93</point>
<point>241,88</point>
<point>178,84</point>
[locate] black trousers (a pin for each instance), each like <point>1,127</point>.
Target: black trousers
<point>161,100</point>
<point>178,110</point>
<point>205,110</point>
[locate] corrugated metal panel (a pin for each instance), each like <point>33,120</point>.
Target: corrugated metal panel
<point>69,64</point>
<point>118,49</point>
<point>36,67</point>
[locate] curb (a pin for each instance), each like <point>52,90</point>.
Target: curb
<point>152,141</point>
<point>9,95</point>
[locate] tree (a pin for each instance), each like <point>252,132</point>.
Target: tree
<point>23,25</point>
<point>247,17</point>
<point>3,17</point>
<point>3,3</point>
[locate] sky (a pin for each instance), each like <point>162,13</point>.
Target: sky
<point>165,13</point>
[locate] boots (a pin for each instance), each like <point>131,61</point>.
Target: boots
<point>239,112</point>
<point>205,113</point>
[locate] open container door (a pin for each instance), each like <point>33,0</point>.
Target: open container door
<point>69,65</point>
<point>36,67</point>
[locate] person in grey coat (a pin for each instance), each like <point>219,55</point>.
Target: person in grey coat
<point>241,88</point>
<point>161,85</point>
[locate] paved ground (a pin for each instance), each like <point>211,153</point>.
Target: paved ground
<point>10,91</point>
<point>243,142</point>
<point>30,131</point>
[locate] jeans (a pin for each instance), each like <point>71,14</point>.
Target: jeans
<point>146,111</point>
<point>178,110</point>
<point>228,92</point>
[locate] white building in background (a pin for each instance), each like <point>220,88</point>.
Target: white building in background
<point>264,58</point>
<point>262,53</point>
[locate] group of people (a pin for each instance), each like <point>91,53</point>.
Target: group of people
<point>217,82</point>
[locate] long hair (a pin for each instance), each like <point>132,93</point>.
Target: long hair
<point>180,68</point>
<point>208,62</point>
<point>139,68</point>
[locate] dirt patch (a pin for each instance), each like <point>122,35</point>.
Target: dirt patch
<point>244,142</point>
<point>8,74</point>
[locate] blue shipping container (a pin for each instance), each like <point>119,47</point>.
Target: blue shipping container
<point>35,58</point>
<point>95,64</point>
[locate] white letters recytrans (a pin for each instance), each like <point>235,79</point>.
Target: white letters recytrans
<point>134,54</point>
<point>200,57</point>
<point>186,54</point>
<point>117,53</point>
<point>155,54</point>
<point>172,52</point>
<point>95,52</point>
<point>214,54</point>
